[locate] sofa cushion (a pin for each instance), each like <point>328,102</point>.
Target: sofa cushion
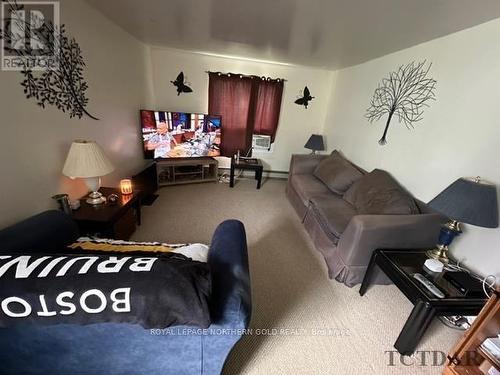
<point>337,173</point>
<point>307,186</point>
<point>333,214</point>
<point>378,193</point>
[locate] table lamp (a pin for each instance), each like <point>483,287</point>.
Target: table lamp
<point>470,201</point>
<point>315,143</point>
<point>87,160</point>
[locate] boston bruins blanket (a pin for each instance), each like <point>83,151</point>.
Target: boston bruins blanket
<point>153,290</point>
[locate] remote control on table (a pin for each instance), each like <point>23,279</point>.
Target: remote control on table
<point>428,285</point>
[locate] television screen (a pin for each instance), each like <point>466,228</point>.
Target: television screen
<point>180,135</point>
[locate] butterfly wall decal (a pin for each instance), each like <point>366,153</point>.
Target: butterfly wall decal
<point>305,99</point>
<point>181,84</point>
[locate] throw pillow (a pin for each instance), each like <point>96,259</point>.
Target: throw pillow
<point>337,173</point>
<point>378,193</point>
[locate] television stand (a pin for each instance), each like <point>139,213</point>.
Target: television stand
<point>186,171</point>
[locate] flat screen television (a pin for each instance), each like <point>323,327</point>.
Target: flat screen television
<point>180,135</point>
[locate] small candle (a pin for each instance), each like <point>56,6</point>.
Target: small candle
<point>126,186</point>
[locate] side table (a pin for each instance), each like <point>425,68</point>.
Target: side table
<point>251,164</point>
<point>117,221</point>
<point>400,266</point>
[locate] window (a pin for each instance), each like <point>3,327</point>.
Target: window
<point>248,105</point>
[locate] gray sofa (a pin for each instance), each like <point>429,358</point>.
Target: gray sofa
<point>347,230</point>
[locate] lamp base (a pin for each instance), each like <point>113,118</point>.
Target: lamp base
<point>95,198</point>
<point>448,232</point>
<point>440,253</point>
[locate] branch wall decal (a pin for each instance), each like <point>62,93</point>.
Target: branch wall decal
<point>62,85</point>
<point>405,94</point>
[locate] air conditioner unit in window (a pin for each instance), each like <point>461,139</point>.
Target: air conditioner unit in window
<point>261,142</point>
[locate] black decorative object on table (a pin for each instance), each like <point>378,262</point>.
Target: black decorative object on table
<point>62,85</point>
<point>112,199</point>
<point>305,99</point>
<point>405,94</point>
<point>315,143</point>
<point>181,84</point>
<point>401,266</point>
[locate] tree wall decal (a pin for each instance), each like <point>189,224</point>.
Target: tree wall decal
<point>62,85</point>
<point>404,93</point>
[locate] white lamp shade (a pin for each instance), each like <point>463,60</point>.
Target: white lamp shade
<point>86,159</point>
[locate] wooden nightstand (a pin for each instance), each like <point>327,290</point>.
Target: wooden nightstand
<point>116,221</point>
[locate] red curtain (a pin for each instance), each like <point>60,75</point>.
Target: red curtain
<point>231,98</point>
<point>247,105</point>
<point>268,107</point>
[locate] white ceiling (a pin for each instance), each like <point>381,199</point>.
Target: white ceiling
<point>324,33</point>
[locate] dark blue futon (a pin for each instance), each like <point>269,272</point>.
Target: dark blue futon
<point>112,348</point>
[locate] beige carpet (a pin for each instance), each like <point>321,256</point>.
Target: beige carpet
<point>331,329</point>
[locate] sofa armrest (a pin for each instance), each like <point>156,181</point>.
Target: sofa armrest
<point>228,260</point>
<point>49,231</point>
<point>366,233</point>
<point>230,303</point>
<point>305,164</point>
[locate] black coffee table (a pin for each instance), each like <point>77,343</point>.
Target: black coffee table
<point>251,164</point>
<point>399,266</point>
